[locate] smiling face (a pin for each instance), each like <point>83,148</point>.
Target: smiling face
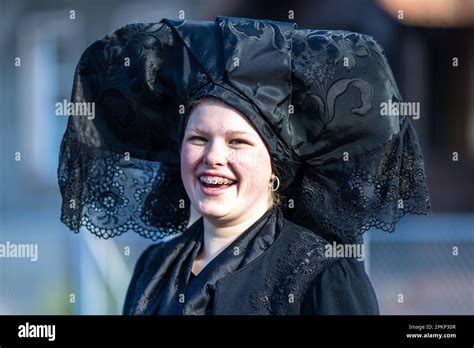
<point>225,165</point>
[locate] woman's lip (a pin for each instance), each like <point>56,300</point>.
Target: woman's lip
<point>210,192</point>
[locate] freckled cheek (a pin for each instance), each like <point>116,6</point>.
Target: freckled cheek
<point>252,168</point>
<point>189,161</point>
<point>246,159</point>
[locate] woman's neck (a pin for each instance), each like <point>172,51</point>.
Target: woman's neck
<point>218,236</point>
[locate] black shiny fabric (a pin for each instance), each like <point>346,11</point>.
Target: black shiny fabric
<point>272,268</point>
<point>197,295</point>
<point>314,96</point>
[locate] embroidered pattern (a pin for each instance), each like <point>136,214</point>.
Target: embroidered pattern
<point>285,288</point>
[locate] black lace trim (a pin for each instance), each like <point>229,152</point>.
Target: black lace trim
<point>109,194</point>
<point>341,201</point>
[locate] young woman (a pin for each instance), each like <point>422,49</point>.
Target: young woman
<point>273,135</point>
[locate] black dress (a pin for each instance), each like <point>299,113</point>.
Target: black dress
<point>274,267</point>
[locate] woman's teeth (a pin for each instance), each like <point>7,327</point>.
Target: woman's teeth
<point>216,180</point>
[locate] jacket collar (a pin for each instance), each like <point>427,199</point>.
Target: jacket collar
<point>169,290</point>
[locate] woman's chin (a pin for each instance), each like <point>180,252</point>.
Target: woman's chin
<point>213,210</point>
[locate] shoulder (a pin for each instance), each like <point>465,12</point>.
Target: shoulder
<point>280,281</point>
<point>149,262</point>
<point>329,284</point>
<point>343,288</point>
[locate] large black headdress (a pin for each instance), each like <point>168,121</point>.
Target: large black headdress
<point>314,96</point>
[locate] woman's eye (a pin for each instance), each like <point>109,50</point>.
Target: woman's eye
<point>198,138</point>
<point>238,141</point>
<point>202,139</point>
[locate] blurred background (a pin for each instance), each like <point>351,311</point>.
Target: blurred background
<point>430,47</point>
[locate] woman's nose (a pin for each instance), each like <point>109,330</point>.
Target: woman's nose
<point>216,154</point>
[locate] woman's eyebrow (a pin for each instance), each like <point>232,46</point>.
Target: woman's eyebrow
<point>202,131</point>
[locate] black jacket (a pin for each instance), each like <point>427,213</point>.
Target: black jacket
<point>282,270</point>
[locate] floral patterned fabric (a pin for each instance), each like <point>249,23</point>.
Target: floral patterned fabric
<point>314,96</point>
